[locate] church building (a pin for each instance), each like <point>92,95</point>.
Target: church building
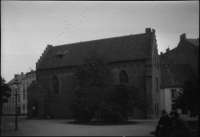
<point>133,56</point>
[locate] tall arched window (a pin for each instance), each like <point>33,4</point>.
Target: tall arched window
<point>55,85</point>
<point>123,76</point>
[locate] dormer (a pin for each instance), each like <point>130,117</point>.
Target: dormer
<point>60,54</point>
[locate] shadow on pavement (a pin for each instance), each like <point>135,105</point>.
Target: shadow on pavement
<point>98,123</point>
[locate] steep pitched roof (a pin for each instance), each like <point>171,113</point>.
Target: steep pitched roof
<point>18,77</point>
<point>173,52</point>
<point>176,75</point>
<point>194,41</point>
<point>129,47</point>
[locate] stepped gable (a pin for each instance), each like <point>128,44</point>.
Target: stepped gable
<point>43,55</point>
<point>131,47</point>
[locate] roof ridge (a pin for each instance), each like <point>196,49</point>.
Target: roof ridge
<point>43,55</point>
<point>100,39</point>
<point>193,41</point>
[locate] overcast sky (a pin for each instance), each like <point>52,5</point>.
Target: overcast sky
<point>28,26</point>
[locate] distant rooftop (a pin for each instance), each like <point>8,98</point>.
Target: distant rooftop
<point>18,77</point>
<point>176,75</point>
<point>194,41</point>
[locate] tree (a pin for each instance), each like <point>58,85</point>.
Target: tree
<point>118,102</point>
<point>90,80</point>
<point>93,98</point>
<point>93,71</point>
<point>5,91</point>
<point>188,96</point>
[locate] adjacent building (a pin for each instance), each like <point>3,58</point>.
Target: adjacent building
<point>178,65</point>
<point>24,82</point>
<point>9,107</point>
<point>134,57</point>
<point>173,78</point>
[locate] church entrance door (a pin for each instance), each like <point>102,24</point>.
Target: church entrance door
<point>34,109</point>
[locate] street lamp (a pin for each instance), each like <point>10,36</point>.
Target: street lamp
<point>15,84</point>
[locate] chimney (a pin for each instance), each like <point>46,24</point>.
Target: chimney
<point>148,30</point>
<point>161,53</point>
<point>16,75</point>
<point>153,30</point>
<point>22,73</point>
<point>183,36</point>
<point>167,50</point>
<point>49,45</point>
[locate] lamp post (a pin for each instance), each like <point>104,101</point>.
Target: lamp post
<point>15,84</point>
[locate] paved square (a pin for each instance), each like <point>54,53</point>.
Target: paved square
<point>61,127</point>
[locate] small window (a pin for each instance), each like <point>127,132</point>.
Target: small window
<point>173,93</point>
<point>13,100</point>
<point>18,99</point>
<point>24,87</point>
<point>157,87</point>
<point>55,85</point>
<point>23,96</point>
<point>174,107</point>
<point>171,61</point>
<point>123,76</point>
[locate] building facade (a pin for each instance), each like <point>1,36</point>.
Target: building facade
<point>9,107</point>
<point>133,56</point>
<point>26,81</point>
<point>178,65</point>
<point>174,77</point>
<point>186,52</point>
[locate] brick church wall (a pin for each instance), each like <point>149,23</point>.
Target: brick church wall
<point>156,93</point>
<point>137,78</point>
<point>140,70</point>
<point>35,95</point>
<point>59,105</point>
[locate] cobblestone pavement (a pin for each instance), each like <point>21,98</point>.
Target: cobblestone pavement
<point>61,127</point>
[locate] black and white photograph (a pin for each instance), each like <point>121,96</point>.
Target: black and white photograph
<point>100,68</point>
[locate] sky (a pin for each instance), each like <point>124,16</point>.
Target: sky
<point>27,27</point>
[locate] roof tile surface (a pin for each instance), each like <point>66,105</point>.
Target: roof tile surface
<point>115,49</point>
